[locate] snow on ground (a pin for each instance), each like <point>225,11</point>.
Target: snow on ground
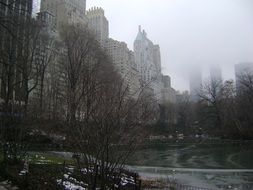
<point>70,186</point>
<point>71,183</point>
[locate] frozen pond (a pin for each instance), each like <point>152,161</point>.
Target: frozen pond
<point>207,156</point>
<point>212,179</point>
<point>214,166</point>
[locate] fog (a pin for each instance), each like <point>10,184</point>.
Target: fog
<point>191,33</point>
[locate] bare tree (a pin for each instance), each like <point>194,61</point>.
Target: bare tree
<point>101,115</point>
<point>18,69</point>
<point>246,83</point>
<point>231,121</point>
<point>244,104</point>
<point>211,94</point>
<point>225,108</point>
<point>26,59</point>
<point>46,52</point>
<point>183,108</point>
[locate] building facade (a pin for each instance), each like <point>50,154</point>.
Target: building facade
<point>195,84</point>
<point>168,94</point>
<point>123,60</point>
<point>65,11</point>
<point>98,23</point>
<point>12,31</point>
<point>148,62</point>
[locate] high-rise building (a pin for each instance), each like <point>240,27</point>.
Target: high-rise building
<point>15,14</point>
<point>47,22</point>
<point>242,70</point>
<point>98,23</point>
<point>168,94</point>
<point>122,57</point>
<point>216,74</point>
<point>65,11</point>
<point>195,84</point>
<point>123,60</point>
<point>16,8</point>
<point>53,15</point>
<point>157,58</point>
<point>47,53</point>
<point>148,61</point>
<point>166,80</point>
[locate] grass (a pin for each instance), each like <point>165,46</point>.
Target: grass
<point>46,158</point>
<point>44,170</point>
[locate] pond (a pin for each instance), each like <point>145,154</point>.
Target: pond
<point>195,166</point>
<point>207,156</point>
<point>212,166</point>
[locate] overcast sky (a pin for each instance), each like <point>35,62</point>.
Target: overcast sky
<point>191,33</point>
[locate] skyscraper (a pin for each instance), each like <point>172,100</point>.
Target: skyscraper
<point>16,8</point>
<point>98,23</point>
<point>148,61</point>
<point>123,60</point>
<point>13,16</point>
<point>195,84</point>
<point>65,11</point>
<point>157,58</point>
<point>215,74</point>
<point>168,94</point>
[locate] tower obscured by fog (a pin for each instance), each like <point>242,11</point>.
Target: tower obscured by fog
<point>195,84</point>
<point>216,74</point>
<point>242,70</point>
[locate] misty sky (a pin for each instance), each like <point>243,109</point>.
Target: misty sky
<point>191,33</point>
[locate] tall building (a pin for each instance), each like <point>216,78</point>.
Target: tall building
<point>216,74</point>
<point>157,58</point>
<point>122,57</point>
<point>15,13</point>
<point>148,61</point>
<point>168,94</point>
<point>242,70</point>
<point>46,53</point>
<point>195,84</point>
<point>98,23</point>
<point>16,8</point>
<point>47,22</point>
<point>123,60</point>
<point>65,11</point>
